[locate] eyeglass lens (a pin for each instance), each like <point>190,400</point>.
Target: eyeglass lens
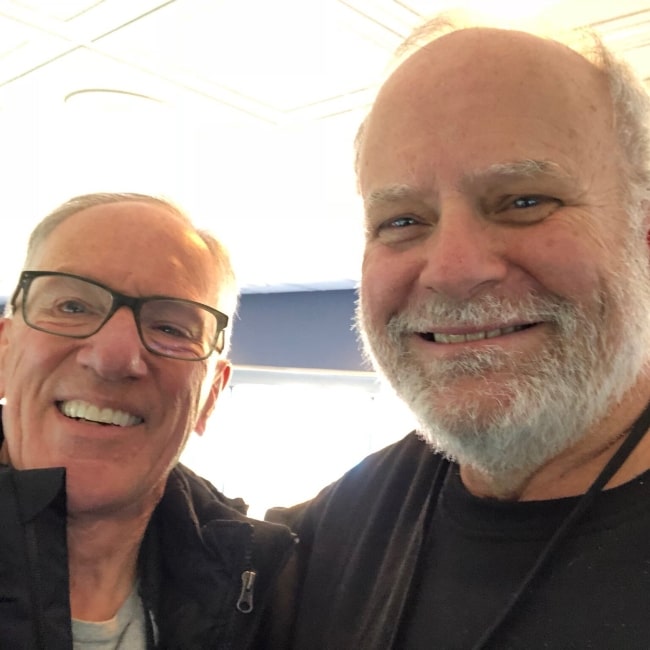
<point>77,308</point>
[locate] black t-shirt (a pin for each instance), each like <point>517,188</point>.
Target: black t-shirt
<point>593,593</point>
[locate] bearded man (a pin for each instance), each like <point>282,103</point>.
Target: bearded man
<point>505,295</point>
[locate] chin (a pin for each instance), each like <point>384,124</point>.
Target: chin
<point>93,490</point>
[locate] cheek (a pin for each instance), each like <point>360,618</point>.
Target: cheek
<point>182,391</point>
<point>5,335</point>
<point>567,264</point>
<point>388,279</point>
<point>29,360</point>
<point>3,375</point>
<point>12,372</point>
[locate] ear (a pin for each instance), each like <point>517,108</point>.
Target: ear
<point>220,381</point>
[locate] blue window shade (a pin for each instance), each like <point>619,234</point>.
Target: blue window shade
<point>302,329</point>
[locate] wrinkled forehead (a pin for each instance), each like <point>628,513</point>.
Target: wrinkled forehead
<point>490,88</point>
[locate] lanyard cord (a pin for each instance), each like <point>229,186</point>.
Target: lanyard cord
<point>636,433</point>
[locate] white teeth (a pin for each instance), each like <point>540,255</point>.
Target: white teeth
<point>474,336</point>
<point>85,411</point>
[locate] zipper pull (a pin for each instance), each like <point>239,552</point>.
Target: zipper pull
<point>245,600</point>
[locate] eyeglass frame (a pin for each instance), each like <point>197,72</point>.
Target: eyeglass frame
<point>119,300</point>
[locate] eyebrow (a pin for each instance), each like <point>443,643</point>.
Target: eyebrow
<point>518,169</point>
<point>391,194</point>
<point>527,168</point>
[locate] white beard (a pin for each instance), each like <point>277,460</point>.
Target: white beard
<point>540,404</point>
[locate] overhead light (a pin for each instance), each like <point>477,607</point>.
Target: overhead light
<point>110,99</point>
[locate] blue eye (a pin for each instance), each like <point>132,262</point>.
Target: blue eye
<point>72,307</point>
<point>175,331</point>
<point>401,222</point>
<point>530,201</point>
<point>171,330</point>
<point>524,209</point>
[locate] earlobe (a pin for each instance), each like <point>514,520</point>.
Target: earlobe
<point>220,381</point>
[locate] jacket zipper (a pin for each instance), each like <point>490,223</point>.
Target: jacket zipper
<point>31,546</point>
<point>245,600</point>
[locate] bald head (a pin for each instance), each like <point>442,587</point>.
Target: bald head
<point>482,97</point>
<point>483,71</point>
<point>496,61</point>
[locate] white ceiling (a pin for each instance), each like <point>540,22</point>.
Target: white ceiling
<point>242,111</point>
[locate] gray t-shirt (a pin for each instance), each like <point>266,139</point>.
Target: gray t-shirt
<point>125,631</point>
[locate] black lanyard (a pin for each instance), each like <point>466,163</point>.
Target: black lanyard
<point>636,433</point>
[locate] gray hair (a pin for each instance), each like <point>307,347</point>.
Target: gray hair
<point>228,295</point>
<point>629,98</point>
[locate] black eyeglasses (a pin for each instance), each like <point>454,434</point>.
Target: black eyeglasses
<point>70,305</point>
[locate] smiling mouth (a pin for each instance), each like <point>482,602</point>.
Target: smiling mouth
<point>437,337</point>
<point>79,410</point>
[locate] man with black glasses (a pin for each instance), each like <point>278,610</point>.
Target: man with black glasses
<point>111,354</point>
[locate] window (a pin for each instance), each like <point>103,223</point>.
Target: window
<point>276,438</point>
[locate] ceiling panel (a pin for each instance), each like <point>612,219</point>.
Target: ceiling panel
<point>24,48</point>
<point>314,53</point>
<point>73,77</point>
<point>61,10</point>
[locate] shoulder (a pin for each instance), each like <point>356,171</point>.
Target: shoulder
<point>186,489</point>
<point>194,519</point>
<point>215,517</point>
<point>206,546</point>
<point>386,475</point>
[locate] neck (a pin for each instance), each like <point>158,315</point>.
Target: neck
<point>102,557</point>
<point>571,472</point>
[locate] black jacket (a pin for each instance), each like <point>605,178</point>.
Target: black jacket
<point>206,571</point>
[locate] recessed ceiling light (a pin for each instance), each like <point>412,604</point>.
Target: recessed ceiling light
<point>109,98</point>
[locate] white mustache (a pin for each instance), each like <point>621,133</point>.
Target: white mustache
<point>490,311</point>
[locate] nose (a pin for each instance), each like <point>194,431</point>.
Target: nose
<point>116,351</point>
<point>464,255</point>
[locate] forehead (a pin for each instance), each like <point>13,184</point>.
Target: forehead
<point>480,97</point>
<point>132,246</point>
